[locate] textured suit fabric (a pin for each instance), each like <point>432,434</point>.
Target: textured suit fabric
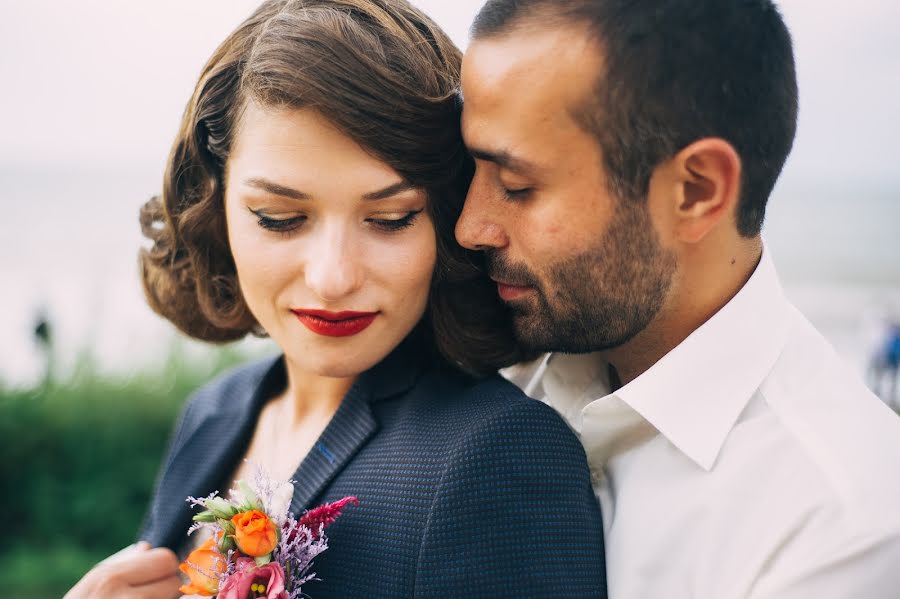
<point>466,488</point>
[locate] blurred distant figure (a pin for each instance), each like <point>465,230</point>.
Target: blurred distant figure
<point>884,368</point>
<point>43,336</point>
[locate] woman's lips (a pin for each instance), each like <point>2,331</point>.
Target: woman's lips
<point>335,324</point>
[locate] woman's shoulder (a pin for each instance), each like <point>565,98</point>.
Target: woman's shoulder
<point>484,395</point>
<point>512,463</point>
<point>232,389</point>
<point>492,409</point>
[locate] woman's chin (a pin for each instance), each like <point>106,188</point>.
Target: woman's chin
<point>336,366</point>
<point>339,358</point>
<point>341,371</point>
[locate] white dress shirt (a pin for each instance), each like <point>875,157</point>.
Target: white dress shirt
<point>749,462</point>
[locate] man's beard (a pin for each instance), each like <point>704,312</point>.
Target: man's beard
<point>598,299</point>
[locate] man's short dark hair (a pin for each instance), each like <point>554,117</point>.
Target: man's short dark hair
<point>676,71</point>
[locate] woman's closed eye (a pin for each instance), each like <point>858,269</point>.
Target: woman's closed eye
<point>281,225</point>
<point>388,222</point>
<point>394,221</point>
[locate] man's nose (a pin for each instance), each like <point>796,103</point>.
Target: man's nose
<point>334,269</point>
<point>479,226</point>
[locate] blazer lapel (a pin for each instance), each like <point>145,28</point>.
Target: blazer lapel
<point>352,425</point>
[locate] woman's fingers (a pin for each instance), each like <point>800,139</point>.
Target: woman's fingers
<point>165,588</point>
<point>139,574</point>
<point>147,566</point>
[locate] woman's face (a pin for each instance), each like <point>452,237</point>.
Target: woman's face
<point>334,250</point>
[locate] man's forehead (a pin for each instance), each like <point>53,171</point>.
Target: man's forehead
<point>520,87</point>
<point>529,54</point>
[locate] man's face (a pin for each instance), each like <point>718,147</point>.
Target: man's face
<point>581,269</point>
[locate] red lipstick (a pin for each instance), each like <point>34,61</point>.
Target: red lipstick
<point>335,324</point>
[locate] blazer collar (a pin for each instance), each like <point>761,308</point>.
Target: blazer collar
<point>218,441</point>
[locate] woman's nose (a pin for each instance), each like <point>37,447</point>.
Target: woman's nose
<point>333,268</point>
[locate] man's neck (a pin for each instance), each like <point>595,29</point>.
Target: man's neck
<point>704,284</point>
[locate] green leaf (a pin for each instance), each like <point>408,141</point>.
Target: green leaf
<point>226,525</point>
<point>221,508</point>
<point>263,560</point>
<point>206,516</point>
<point>251,501</point>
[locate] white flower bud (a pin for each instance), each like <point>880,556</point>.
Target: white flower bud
<point>280,503</point>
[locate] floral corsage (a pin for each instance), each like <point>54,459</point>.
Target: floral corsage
<point>257,548</point>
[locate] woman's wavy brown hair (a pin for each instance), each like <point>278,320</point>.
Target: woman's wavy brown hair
<point>384,74</point>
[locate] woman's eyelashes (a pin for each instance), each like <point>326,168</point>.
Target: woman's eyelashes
<point>396,224</point>
<point>387,223</point>
<point>280,225</point>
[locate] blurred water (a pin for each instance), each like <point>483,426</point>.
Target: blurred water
<point>69,242</point>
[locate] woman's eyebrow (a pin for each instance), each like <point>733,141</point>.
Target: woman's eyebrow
<point>389,191</point>
<point>281,190</point>
<point>276,189</point>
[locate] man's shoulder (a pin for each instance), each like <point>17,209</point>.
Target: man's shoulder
<point>831,420</point>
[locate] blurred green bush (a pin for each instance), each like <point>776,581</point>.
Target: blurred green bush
<point>78,460</point>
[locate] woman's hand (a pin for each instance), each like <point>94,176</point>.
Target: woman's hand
<point>139,572</point>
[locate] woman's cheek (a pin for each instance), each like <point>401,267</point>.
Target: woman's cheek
<point>408,266</point>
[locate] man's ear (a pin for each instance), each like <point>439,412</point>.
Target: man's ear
<point>707,177</point>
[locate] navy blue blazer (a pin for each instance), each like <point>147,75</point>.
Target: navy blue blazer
<point>466,488</point>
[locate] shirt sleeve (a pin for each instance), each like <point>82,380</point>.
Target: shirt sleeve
<point>514,514</point>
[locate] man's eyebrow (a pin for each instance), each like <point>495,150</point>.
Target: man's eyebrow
<point>503,159</point>
<point>294,194</point>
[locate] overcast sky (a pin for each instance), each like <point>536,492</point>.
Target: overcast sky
<point>103,83</point>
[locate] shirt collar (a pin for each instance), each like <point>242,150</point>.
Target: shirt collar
<point>694,395</point>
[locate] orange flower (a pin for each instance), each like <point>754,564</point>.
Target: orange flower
<point>199,565</point>
<point>254,533</point>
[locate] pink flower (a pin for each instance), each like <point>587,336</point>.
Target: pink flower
<point>248,577</point>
